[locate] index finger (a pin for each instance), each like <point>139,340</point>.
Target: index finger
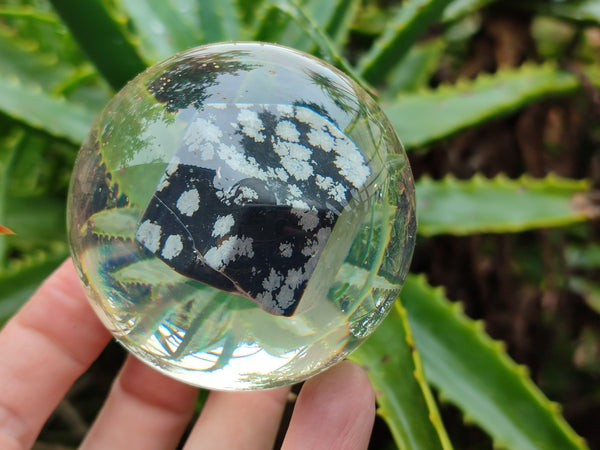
<point>44,348</point>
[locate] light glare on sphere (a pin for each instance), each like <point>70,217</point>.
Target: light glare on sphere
<point>242,216</point>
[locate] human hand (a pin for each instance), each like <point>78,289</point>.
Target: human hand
<point>55,337</point>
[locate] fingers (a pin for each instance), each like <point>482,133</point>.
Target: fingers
<point>44,348</point>
<point>239,420</point>
<point>52,340</point>
<point>144,409</point>
<point>335,410</point>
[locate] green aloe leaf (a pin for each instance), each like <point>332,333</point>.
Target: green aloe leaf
<point>403,396</point>
<point>271,24</point>
<point>332,18</point>
<point>112,223</point>
<point>149,272</point>
<point>340,20</point>
<point>163,29</point>
<point>474,372</point>
<point>424,117</point>
<point>580,10</point>
<point>220,20</point>
<point>21,278</point>
<point>9,147</point>
<point>417,68</point>
<point>27,12</point>
<point>29,166</point>
<point>285,22</point>
<point>36,220</point>
<point>412,20</point>
<point>326,47</point>
<point>23,60</point>
<point>459,8</point>
<point>40,110</point>
<point>39,24</point>
<point>500,205</point>
<point>102,38</point>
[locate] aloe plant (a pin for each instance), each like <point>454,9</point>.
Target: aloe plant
<point>62,60</point>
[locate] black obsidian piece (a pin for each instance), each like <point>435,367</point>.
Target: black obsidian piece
<point>249,200</point>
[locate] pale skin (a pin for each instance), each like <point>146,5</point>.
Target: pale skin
<point>55,337</point>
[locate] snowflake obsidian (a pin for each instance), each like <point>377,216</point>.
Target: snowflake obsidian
<point>250,198</point>
<point>242,216</point>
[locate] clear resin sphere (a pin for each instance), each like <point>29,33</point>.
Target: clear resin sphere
<point>242,216</point>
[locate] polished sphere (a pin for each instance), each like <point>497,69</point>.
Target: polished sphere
<point>242,216</point>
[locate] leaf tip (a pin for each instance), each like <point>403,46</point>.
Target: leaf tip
<point>5,230</point>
